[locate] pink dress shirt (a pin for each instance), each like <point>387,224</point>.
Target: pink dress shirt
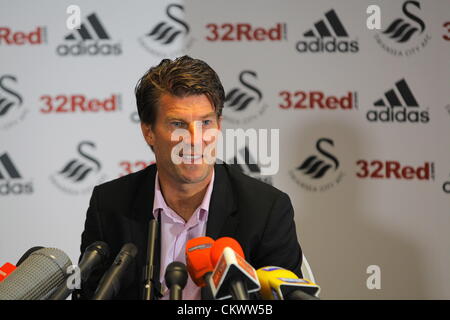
<point>175,233</point>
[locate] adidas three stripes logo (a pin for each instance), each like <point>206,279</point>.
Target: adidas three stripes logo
<point>393,98</point>
<point>91,30</point>
<point>8,167</point>
<point>324,28</point>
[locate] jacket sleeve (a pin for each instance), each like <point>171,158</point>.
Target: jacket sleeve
<point>92,232</point>
<point>279,245</point>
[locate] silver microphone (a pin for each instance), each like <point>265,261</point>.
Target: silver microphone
<point>37,276</point>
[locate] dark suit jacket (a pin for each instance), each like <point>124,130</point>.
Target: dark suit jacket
<point>257,215</point>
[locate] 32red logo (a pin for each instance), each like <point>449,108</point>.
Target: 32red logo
<point>317,100</point>
<point>447,26</point>
<point>79,103</point>
<point>245,32</point>
<point>378,169</point>
<point>19,38</point>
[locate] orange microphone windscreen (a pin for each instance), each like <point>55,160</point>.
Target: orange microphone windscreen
<point>198,258</point>
<point>222,243</point>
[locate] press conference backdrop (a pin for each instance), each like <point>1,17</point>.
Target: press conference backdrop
<point>363,118</point>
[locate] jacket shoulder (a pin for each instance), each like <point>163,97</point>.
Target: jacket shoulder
<point>125,185</point>
<point>249,186</point>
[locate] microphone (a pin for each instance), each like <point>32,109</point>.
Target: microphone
<point>233,276</point>
<point>221,244</point>
<point>5,270</point>
<point>109,285</point>
<point>153,227</point>
<point>27,254</point>
<point>37,276</point>
<point>176,279</point>
<point>95,254</point>
<point>281,284</point>
<point>198,259</point>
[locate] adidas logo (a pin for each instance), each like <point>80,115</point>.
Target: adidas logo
<point>10,178</point>
<point>92,39</point>
<point>394,101</point>
<point>398,105</point>
<point>323,30</point>
<point>9,167</point>
<point>87,30</point>
<point>327,35</point>
<point>250,166</point>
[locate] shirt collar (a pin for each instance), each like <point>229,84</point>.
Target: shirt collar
<point>201,212</point>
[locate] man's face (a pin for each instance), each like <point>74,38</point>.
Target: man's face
<point>194,115</point>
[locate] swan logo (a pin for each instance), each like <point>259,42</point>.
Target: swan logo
<point>244,103</point>
<point>248,165</point>
<point>80,174</point>
<point>11,110</point>
<point>321,170</point>
<point>11,181</point>
<point>400,30</point>
<point>91,39</point>
<point>405,36</point>
<point>170,37</point>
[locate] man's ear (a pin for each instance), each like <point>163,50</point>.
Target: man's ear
<point>148,134</point>
<point>219,123</point>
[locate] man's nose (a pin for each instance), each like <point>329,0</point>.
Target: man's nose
<point>196,132</point>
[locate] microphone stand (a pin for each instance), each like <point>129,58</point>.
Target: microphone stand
<point>153,234</point>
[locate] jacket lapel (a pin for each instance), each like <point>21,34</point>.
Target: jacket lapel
<point>221,220</point>
<point>141,214</point>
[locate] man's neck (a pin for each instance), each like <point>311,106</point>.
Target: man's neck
<point>184,199</point>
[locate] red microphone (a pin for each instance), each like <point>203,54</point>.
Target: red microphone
<point>233,276</point>
<point>198,259</point>
<point>221,244</point>
<point>6,270</point>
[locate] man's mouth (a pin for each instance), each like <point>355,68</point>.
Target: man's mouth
<point>191,157</point>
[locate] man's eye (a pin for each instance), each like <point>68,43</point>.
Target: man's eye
<point>177,124</point>
<point>207,122</point>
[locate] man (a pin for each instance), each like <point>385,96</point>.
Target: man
<point>192,197</point>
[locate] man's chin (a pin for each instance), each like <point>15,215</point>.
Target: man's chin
<point>193,173</point>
